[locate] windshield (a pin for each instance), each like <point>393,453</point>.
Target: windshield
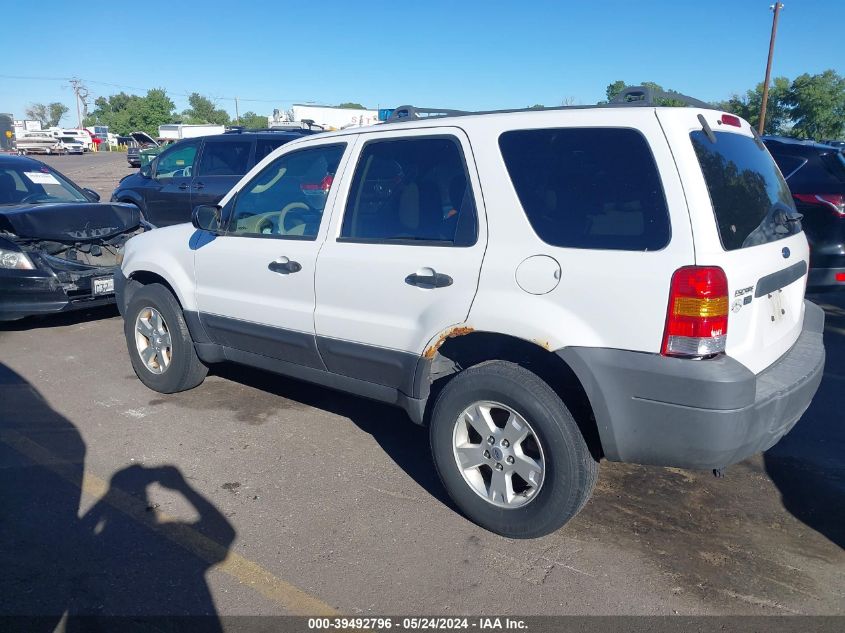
<point>67,139</point>
<point>32,185</point>
<point>750,198</point>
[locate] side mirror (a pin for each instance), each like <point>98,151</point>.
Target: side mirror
<point>146,170</point>
<point>206,217</point>
<point>93,196</point>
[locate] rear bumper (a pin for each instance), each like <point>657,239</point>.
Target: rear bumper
<point>705,414</point>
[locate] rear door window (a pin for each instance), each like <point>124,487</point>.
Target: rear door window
<point>225,158</point>
<point>750,198</point>
<point>594,188</point>
<point>412,191</point>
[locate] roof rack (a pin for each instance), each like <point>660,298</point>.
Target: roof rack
<point>632,96</point>
<point>645,96</point>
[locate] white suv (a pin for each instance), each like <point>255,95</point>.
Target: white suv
<point>541,288</point>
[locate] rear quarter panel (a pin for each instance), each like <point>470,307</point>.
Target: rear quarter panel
<point>605,298</point>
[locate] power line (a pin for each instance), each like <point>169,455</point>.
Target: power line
<point>137,88</point>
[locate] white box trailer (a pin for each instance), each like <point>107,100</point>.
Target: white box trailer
<point>178,131</point>
<point>329,117</point>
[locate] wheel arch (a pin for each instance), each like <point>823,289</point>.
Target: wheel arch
<point>461,347</point>
<point>143,277</point>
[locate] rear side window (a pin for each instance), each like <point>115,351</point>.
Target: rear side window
<point>412,191</point>
<point>264,147</point>
<point>225,158</point>
<point>595,188</point>
<point>750,198</point>
<point>789,164</point>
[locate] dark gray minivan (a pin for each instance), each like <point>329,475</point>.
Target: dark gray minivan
<point>196,171</point>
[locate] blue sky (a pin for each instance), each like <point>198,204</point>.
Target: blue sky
<point>461,54</point>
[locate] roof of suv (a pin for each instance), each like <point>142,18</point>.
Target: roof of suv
<point>797,143</point>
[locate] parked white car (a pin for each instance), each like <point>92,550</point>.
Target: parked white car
<point>542,288</point>
<point>69,145</point>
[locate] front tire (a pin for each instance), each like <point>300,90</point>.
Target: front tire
<point>159,343</point>
<point>509,452</point>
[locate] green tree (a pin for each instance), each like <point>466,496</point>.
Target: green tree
<point>613,89</point>
<point>125,113</point>
<point>253,121</point>
<point>56,111</point>
<point>349,105</point>
<point>48,115</point>
<point>203,110</point>
<point>817,105</point>
<point>38,112</point>
<point>748,106</point>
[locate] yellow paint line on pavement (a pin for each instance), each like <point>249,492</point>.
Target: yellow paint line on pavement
<point>292,598</point>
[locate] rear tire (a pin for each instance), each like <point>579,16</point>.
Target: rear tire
<point>160,346</point>
<point>514,402</point>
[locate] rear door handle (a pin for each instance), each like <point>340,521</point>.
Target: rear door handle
<point>428,278</point>
<point>183,186</point>
<point>284,266</point>
<point>199,185</point>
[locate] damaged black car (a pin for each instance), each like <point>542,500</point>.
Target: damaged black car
<point>59,246</point>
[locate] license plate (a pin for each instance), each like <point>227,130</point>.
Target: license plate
<point>102,286</point>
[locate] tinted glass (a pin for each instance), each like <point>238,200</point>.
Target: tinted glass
<point>224,158</point>
<point>264,147</point>
<point>788,164</point>
<point>286,199</point>
<point>594,188</point>
<point>834,162</point>
<point>177,162</point>
<point>411,189</point>
<point>750,198</point>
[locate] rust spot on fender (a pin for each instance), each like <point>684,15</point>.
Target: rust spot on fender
<point>458,330</point>
<point>544,344</point>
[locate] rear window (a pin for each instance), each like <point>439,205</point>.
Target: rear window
<point>595,188</point>
<point>750,198</point>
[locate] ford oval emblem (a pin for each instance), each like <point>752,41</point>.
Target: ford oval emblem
<point>785,252</point>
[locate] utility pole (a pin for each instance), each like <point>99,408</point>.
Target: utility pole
<point>81,93</point>
<point>776,7</point>
<point>237,114</point>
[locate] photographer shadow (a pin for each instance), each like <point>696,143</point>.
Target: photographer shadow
<point>122,558</point>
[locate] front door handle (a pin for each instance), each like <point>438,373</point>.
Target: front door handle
<point>183,186</point>
<point>428,278</point>
<point>199,185</point>
<point>284,266</point>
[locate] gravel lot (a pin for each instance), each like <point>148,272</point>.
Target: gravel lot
<point>118,496</point>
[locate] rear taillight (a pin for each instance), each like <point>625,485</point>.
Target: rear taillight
<point>697,316</point>
<point>840,277</point>
<point>833,201</point>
